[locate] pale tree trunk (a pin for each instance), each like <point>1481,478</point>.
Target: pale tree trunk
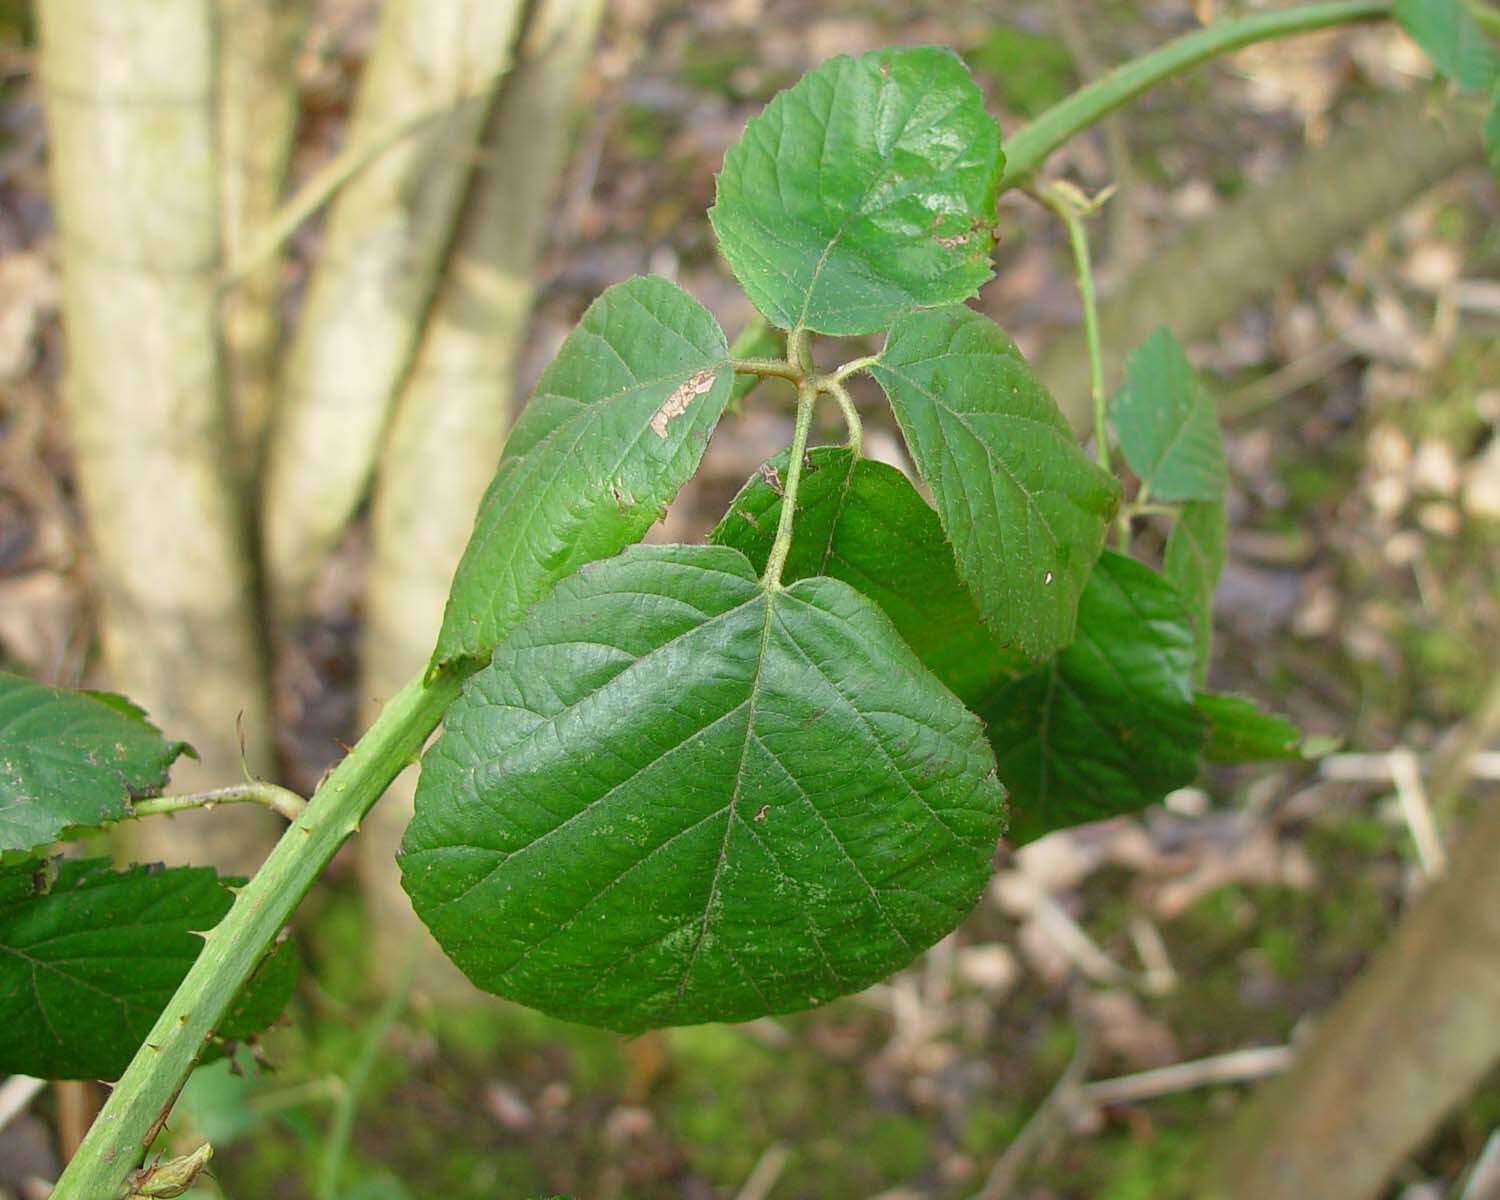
<point>1363,174</point>
<point>1408,1041</point>
<point>258,102</point>
<point>388,230</point>
<point>456,407</point>
<point>129,91</point>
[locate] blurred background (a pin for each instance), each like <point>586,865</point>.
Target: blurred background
<point>272,285</point>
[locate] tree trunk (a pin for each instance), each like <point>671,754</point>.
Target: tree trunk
<point>458,402</point>
<point>1361,175</point>
<point>1409,1040</point>
<point>258,103</point>
<point>388,230</point>
<point>129,92</point>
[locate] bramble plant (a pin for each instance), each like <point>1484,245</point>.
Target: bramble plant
<point>678,784</point>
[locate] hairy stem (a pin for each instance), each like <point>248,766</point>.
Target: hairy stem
<point>277,799</point>
<point>853,366</point>
<point>235,947</point>
<point>807,396</point>
<point>779,368</point>
<point>1030,146</point>
<point>1071,209</point>
<point>851,414</point>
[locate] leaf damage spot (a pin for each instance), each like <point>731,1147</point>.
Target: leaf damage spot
<point>772,478</point>
<point>695,385</point>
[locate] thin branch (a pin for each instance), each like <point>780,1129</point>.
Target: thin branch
<point>1026,150</point>
<point>779,368</point>
<point>765,1173</point>
<point>277,799</point>
<point>321,188</point>
<point>1238,1066</point>
<point>1418,812</point>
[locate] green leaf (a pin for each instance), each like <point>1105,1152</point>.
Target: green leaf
<point>863,191</point>
<point>616,425</point>
<point>1450,36</point>
<point>1193,562</point>
<point>1239,731</point>
<point>1166,423</point>
<point>89,956</point>
<point>1025,510</point>
<point>72,759</point>
<point>675,796</point>
<point>862,521</point>
<point>1108,726</point>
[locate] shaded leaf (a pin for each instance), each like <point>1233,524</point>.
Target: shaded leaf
<point>1023,507</point>
<point>71,760</point>
<point>1193,562</point>
<point>1108,726</point>
<point>675,796</point>
<point>1165,421</point>
<point>862,521</point>
<point>617,423</point>
<point>1453,40</point>
<point>1240,731</point>
<point>862,191</point>
<point>89,956</point>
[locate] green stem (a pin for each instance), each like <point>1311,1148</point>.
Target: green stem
<point>806,396</point>
<point>780,368</point>
<point>278,799</point>
<point>855,426</point>
<point>853,365</point>
<point>1062,200</point>
<point>235,947</point>
<point>1030,146</point>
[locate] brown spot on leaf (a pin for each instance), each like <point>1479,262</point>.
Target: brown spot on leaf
<point>760,814</point>
<point>773,480</point>
<point>682,395</point>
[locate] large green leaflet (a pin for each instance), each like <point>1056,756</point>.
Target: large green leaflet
<point>675,796</point>
<point>1166,423</point>
<point>72,759</point>
<point>1025,510</point>
<point>1452,38</point>
<point>1193,562</point>
<point>863,191</point>
<point>1108,726</point>
<point>90,955</point>
<point>863,522</point>
<point>618,422</point>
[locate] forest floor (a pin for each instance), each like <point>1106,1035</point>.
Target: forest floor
<point>1362,598</point>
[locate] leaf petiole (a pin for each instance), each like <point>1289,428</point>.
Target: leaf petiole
<point>1071,207</point>
<point>845,401</point>
<point>774,367</point>
<point>277,799</point>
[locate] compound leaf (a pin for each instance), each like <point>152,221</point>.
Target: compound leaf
<point>1024,509</point>
<point>617,424</point>
<point>1240,731</point>
<point>1108,726</point>
<point>675,796</point>
<point>1451,37</point>
<point>1193,561</point>
<point>863,522</point>
<point>864,190</point>
<point>89,956</point>
<point>1166,423</point>
<point>72,759</point>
